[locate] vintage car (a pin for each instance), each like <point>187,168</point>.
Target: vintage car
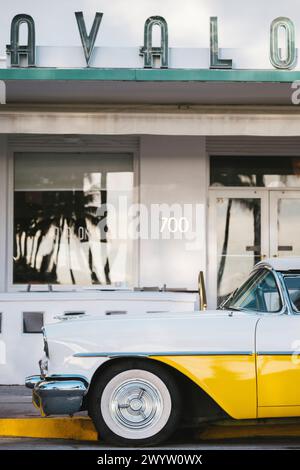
<point>142,376</point>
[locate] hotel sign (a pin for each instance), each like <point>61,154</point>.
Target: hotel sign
<point>280,57</point>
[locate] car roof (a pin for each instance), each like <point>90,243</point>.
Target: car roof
<point>282,264</point>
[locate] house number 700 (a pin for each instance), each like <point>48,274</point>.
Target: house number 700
<point>174,225</point>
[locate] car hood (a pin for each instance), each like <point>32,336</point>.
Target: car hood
<point>195,331</point>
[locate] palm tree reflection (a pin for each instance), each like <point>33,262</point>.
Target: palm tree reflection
<point>46,222</point>
<point>247,204</point>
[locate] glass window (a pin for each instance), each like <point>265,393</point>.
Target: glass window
<point>259,294</point>
<point>260,171</point>
<point>33,322</point>
<point>288,210</point>
<point>238,250</point>
<point>293,286</point>
<point>68,211</point>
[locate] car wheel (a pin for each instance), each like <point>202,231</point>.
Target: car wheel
<point>135,403</point>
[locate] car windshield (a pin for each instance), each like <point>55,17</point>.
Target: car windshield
<point>292,283</point>
<point>258,294</point>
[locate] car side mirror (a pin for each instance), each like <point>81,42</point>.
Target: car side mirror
<point>202,292</point>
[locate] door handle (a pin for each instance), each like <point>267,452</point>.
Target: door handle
<point>285,248</point>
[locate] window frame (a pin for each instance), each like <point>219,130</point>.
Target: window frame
<point>44,288</point>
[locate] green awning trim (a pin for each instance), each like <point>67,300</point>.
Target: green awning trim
<point>152,75</point>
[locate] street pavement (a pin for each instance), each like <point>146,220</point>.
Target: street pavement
<point>16,402</point>
<point>237,444</point>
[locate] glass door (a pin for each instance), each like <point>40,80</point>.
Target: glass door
<point>284,223</point>
<point>238,238</point>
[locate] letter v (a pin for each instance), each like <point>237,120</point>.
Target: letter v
<point>88,41</point>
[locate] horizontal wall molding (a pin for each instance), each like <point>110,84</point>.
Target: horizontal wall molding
<point>153,122</point>
<point>131,74</point>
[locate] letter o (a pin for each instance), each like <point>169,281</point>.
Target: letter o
<point>275,52</point>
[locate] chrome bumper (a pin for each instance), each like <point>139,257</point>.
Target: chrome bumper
<point>57,397</point>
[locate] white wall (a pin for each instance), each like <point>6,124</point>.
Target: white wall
<point>172,170</point>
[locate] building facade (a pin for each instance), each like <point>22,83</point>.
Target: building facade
<point>138,147</point>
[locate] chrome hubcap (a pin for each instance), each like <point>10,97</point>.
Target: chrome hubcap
<point>136,404</point>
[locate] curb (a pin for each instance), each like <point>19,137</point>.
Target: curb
<point>82,429</point>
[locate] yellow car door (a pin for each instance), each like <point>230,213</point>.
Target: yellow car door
<point>278,365</point>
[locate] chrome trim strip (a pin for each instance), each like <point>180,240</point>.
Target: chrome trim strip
<point>183,353</point>
<point>165,353</point>
<point>60,386</point>
<point>277,353</point>
<point>66,377</point>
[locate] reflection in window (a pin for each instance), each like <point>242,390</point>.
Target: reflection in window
<point>256,171</point>
<point>288,210</point>
<point>238,241</point>
<point>259,294</point>
<point>64,230</point>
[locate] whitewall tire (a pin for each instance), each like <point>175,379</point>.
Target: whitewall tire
<point>135,403</point>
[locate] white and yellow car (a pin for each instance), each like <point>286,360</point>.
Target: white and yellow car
<point>142,376</point>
